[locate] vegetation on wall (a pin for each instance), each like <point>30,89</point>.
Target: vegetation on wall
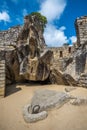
<point>42,19</point>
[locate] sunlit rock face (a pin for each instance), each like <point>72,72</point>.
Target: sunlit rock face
<point>29,60</point>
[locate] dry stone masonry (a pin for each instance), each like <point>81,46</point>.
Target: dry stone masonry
<point>2,70</point>
<point>81,30</point>
<point>73,59</point>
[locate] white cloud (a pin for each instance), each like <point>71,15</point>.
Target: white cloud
<point>4,16</point>
<point>25,12</point>
<point>55,37</point>
<point>52,9</point>
<point>73,39</point>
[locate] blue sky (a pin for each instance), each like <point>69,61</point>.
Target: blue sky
<point>61,15</point>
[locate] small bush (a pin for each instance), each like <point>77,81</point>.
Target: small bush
<point>42,18</point>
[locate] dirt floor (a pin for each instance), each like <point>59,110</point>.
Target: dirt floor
<point>68,117</point>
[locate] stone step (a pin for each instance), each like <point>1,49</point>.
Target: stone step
<point>83,79</point>
<point>2,79</point>
<point>2,76</point>
<point>2,82</point>
<point>2,68</point>
<point>2,71</point>
<point>2,62</point>
<point>2,86</point>
<point>2,65</point>
<point>84,75</point>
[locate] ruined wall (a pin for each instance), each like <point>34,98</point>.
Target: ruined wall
<point>2,70</point>
<point>81,30</point>
<point>9,36</point>
<point>60,55</point>
<point>62,52</point>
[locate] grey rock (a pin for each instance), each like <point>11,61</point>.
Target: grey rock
<point>30,118</point>
<point>69,89</point>
<point>47,99</point>
<point>79,101</point>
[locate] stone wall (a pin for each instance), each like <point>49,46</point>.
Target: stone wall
<point>9,37</point>
<point>81,30</point>
<point>62,52</point>
<point>60,55</point>
<point>2,70</point>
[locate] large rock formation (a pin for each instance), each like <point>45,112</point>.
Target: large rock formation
<point>29,60</point>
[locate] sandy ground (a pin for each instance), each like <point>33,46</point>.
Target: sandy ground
<point>68,117</point>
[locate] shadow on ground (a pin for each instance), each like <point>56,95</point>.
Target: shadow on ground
<point>11,89</point>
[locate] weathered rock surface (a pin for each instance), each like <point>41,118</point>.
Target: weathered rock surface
<point>29,60</point>
<point>45,99</point>
<point>83,80</point>
<point>57,77</point>
<point>30,118</point>
<point>78,66</point>
<point>69,89</point>
<point>79,101</point>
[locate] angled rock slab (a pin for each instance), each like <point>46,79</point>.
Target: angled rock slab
<point>46,99</point>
